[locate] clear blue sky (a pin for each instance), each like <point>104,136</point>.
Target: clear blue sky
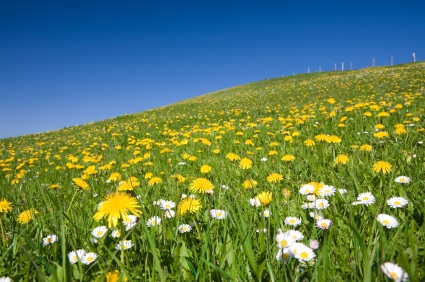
<point>64,63</point>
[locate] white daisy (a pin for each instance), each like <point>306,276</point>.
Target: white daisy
<point>99,231</point>
<point>184,228</point>
<point>89,258</point>
<point>397,202</point>
<point>153,221</point>
<point>291,220</point>
<point>321,204</point>
<point>124,245</point>
<point>366,198</point>
<point>394,272</point>
<point>323,223</point>
<point>327,190</point>
<point>387,221</point>
<point>402,179</point>
<point>50,239</point>
<point>307,189</point>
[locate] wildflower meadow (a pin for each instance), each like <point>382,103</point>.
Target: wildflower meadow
<point>313,177</point>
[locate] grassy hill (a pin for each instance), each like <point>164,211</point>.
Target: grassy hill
<point>317,176</point>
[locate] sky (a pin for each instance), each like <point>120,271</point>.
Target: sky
<point>65,63</point>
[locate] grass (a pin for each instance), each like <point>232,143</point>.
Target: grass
<point>361,117</point>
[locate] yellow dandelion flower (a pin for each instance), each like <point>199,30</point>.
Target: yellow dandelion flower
<point>367,114</point>
<point>26,216</point>
<point>333,139</point>
<point>115,176</point>
<point>188,205</point>
<point>245,163</point>
<point>341,159</point>
<point>400,131</point>
<point>5,206</point>
<point>232,157</point>
<point>216,151</point>
<point>381,134</point>
<point>154,180</point>
<point>331,100</point>
<point>179,178</point>
<point>317,186</point>
<point>81,183</point>
<point>309,143</point>
<point>272,152</point>
<point>117,206</point>
<point>365,147</point>
<point>321,137</point>
<point>289,139</point>
<point>201,185</point>
<point>379,126</point>
<point>382,166</point>
<point>274,178</point>
<point>249,184</point>
<point>288,158</point>
<point>205,169</point>
<point>54,186</point>
<point>192,158</point>
<point>265,198</point>
<point>148,175</point>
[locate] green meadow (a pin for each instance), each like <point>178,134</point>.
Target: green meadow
<point>313,177</point>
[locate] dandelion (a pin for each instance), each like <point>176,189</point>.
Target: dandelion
<point>274,178</point>
<point>323,223</point>
<point>387,221</point>
<point>50,239</point>
<point>403,179</point>
<point>382,166</point>
<point>153,221</point>
<point>205,169</point>
<point>264,197</point>
<point>309,143</point>
<point>341,159</point>
<point>381,134</point>
<point>154,180</point>
<point>116,206</point>
<point>333,139</point>
<point>249,184</point>
<point>184,228</point>
<point>188,205</point>
<point>394,272</point>
<point>201,185</point>
<point>245,163</point>
<point>26,216</point>
<point>5,206</point>
<point>366,147</point>
<point>397,202</point>
<point>124,245</point>
<point>288,158</point>
<point>366,198</point>
<point>81,183</point>
<point>99,231</point>
<point>293,221</point>
<point>89,258</point>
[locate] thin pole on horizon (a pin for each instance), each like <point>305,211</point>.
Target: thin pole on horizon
<point>335,66</point>
<point>373,61</point>
<point>392,60</point>
<point>342,66</point>
<point>414,57</point>
<point>351,66</point>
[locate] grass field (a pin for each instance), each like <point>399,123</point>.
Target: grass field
<point>315,177</point>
